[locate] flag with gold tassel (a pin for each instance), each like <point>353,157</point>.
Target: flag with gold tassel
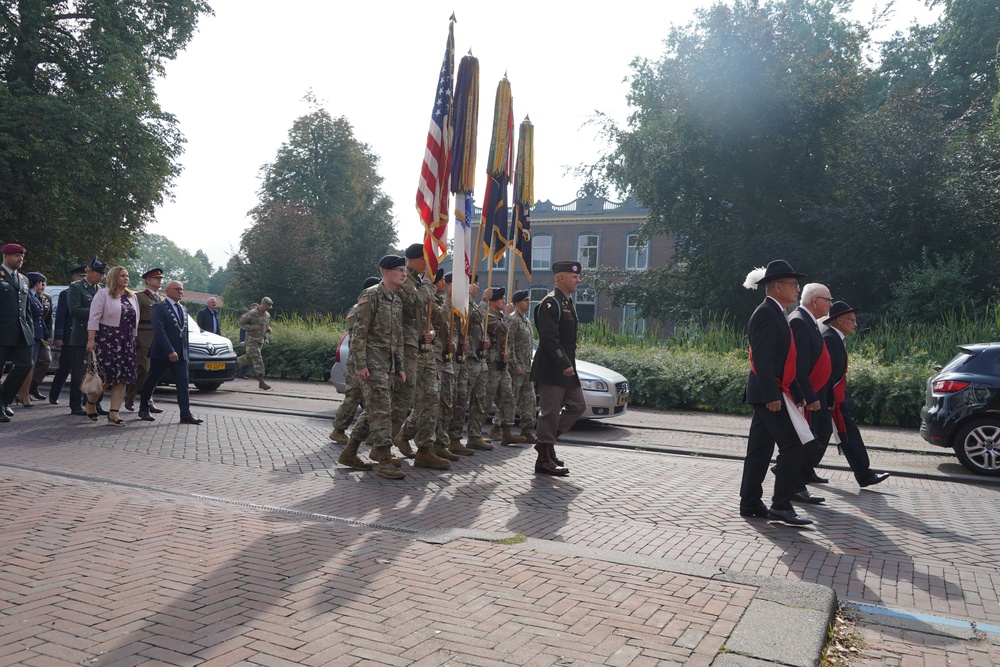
<point>465,122</point>
<point>433,200</point>
<point>495,206</point>
<point>524,194</point>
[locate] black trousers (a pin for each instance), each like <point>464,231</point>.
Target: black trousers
<point>20,357</point>
<point>179,369</point>
<point>767,429</point>
<point>853,446</point>
<point>821,424</point>
<point>62,372</point>
<point>79,365</point>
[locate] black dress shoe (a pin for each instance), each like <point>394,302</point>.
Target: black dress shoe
<point>816,479</point>
<point>8,411</point>
<point>130,405</point>
<point>78,412</point>
<point>191,419</point>
<point>3,417</point>
<point>145,416</point>
<point>35,395</point>
<point>788,516</point>
<point>807,498</point>
<point>54,401</point>
<point>758,511</point>
<point>100,410</point>
<point>874,478</point>
<point>155,410</point>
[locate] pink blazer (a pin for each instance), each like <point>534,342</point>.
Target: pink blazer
<point>107,311</point>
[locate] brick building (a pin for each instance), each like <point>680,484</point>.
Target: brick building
<point>599,233</point>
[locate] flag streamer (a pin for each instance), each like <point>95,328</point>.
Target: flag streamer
<point>524,194</point>
<point>495,203</point>
<point>465,113</point>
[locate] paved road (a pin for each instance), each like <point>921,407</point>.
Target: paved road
<point>242,542</point>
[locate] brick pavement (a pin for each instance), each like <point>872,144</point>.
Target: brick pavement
<point>909,543</point>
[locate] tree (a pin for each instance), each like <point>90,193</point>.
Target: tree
<point>322,222</point>
<point>86,153</point>
<point>155,251</point>
<point>729,142</point>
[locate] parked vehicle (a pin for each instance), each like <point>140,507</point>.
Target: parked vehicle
<point>962,408</point>
<point>211,358</point>
<point>606,392</point>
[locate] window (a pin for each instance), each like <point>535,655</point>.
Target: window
<point>541,253</point>
<point>632,324</point>
<point>636,253</point>
<point>586,304</point>
<point>587,250</point>
<point>535,295</point>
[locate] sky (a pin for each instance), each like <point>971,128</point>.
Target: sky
<point>241,83</point>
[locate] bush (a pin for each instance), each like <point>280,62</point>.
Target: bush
<point>302,349</point>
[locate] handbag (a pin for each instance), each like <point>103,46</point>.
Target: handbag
<point>93,381</point>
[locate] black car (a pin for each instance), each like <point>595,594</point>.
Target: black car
<point>962,408</point>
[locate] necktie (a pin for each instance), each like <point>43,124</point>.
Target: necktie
<point>180,319</point>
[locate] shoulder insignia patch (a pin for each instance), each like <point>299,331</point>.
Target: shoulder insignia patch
<point>548,304</point>
<point>362,300</point>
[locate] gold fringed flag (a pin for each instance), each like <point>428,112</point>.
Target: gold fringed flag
<point>433,201</point>
<point>465,116</point>
<point>494,221</point>
<point>524,194</point>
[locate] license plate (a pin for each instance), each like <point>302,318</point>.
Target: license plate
<point>215,366</point>
<point>622,400</point>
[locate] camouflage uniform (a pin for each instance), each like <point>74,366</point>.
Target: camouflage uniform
<point>478,405</point>
<point>256,323</point>
<point>498,384</point>
<point>445,323</point>
<point>421,390</point>
<point>460,406</point>
<point>352,392</point>
<point>377,344</point>
<point>521,338</point>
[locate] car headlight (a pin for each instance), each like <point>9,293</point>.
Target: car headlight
<point>594,385</point>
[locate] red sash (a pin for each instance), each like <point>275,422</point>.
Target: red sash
<point>788,373</point>
<point>820,375</point>
<point>839,393</point>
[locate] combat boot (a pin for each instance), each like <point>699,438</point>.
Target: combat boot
<point>555,459</point>
<point>494,433</point>
<point>426,458</point>
<point>528,436</point>
<point>544,463</point>
<point>263,385</point>
<point>441,451</point>
<point>383,455</point>
<point>349,457</point>
<point>456,447</point>
<point>339,436</point>
<point>402,443</point>
<point>508,438</point>
<point>474,442</point>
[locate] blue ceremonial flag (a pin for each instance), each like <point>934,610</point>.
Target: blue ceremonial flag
<point>494,222</point>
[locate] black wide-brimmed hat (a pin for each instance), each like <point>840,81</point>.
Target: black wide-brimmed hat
<point>839,308</point>
<point>775,270</point>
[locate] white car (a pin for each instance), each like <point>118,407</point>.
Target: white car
<point>605,390</point>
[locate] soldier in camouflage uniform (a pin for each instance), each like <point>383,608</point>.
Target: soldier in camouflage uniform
<point>352,392</point>
<point>450,331</point>
<point>257,323</point>
<point>378,348</point>
<point>522,344</point>
<point>422,390</point>
<point>498,384</point>
<point>475,360</point>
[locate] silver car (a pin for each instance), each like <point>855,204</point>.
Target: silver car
<point>606,391</point>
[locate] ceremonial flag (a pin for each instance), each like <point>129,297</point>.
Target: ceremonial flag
<point>432,191</point>
<point>465,114</point>
<point>524,194</point>
<point>495,207</point>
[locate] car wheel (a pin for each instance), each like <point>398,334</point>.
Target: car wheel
<point>207,386</point>
<point>977,446</point>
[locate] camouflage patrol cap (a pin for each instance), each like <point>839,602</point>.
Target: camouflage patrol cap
<point>266,301</point>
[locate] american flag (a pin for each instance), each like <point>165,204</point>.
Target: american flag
<point>433,195</point>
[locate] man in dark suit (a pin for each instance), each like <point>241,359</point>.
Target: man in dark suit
<point>208,317</point>
<point>841,323</point>
<point>17,333</point>
<point>80,294</point>
<point>169,350</point>
<point>560,397</point>
<point>61,330</point>
<point>812,371</point>
<point>773,391</point>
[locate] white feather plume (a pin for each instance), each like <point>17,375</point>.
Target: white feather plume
<point>754,277</point>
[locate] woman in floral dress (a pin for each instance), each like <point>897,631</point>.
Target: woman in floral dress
<point>112,329</point>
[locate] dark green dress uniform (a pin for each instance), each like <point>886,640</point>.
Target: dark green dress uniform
<point>17,334</point>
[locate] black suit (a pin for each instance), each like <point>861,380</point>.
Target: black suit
<point>170,336</point>
<point>809,349</point>
<point>79,296</point>
<point>61,332</point>
<point>16,332</point>
<point>770,344</point>
<point>851,442</point>
<point>208,320</point>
